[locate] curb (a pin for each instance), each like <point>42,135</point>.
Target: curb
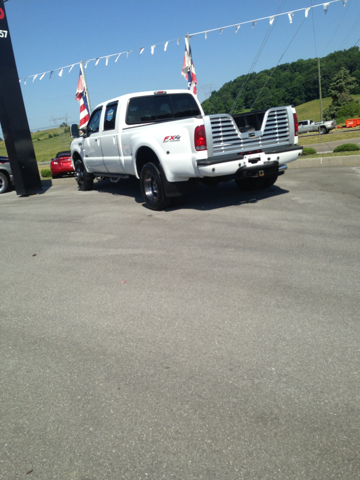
<point>341,161</point>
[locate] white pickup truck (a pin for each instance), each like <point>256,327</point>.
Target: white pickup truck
<point>164,139</point>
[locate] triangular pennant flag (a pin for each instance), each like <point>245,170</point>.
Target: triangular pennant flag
<point>42,76</point>
<point>290,15</point>
<point>141,50</point>
<point>96,61</point>
<point>206,35</point>
<point>221,30</point>
<point>254,23</point>
<point>237,28</point>
<point>70,68</point>
<point>52,71</point>
<point>34,77</point>
<point>307,10</point>
<point>152,49</point>
<point>326,6</point>
<point>271,21</point>
<point>106,61</point>
<point>117,58</point>
<point>128,53</point>
<point>19,80</point>
<point>86,64</point>
<point>25,80</point>
<point>344,2</point>
<point>60,73</point>
<point>165,46</point>
<point>178,41</point>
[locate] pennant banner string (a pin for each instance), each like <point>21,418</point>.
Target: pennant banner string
<point>271,18</point>
<point>253,22</point>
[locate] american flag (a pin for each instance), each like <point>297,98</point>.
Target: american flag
<point>82,98</point>
<point>188,69</point>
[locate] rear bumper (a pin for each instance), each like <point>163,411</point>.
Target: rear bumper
<point>61,169</point>
<point>294,149</point>
<point>224,165</point>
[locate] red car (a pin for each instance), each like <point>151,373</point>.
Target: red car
<point>61,165</point>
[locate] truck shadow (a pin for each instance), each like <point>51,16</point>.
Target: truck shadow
<point>202,198</point>
<point>224,195</point>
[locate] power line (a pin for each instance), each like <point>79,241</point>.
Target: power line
<point>350,32</point>
<point>278,63</point>
<point>337,28</point>
<point>266,38</point>
<point>313,22</point>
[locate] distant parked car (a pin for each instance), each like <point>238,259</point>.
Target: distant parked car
<point>6,177</point>
<point>61,165</point>
<point>307,126</point>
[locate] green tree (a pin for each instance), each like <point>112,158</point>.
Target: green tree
<point>339,90</point>
<point>349,110</point>
<point>289,83</point>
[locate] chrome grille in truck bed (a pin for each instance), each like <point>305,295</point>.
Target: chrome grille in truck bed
<point>226,136</point>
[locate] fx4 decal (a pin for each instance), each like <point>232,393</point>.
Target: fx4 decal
<point>172,138</point>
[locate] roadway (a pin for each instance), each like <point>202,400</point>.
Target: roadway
<point>216,340</point>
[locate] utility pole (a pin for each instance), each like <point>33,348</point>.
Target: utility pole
<point>320,97</point>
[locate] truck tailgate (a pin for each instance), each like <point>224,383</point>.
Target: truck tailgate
<point>224,137</point>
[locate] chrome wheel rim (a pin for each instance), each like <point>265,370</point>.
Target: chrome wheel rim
<point>151,188</point>
<point>79,175</point>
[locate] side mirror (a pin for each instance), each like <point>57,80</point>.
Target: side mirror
<point>74,131</point>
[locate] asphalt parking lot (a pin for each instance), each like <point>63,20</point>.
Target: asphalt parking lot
<point>216,340</point>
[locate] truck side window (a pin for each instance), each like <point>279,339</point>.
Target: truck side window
<point>94,122</point>
<point>110,116</point>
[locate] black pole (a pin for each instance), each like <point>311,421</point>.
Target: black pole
<point>13,118</point>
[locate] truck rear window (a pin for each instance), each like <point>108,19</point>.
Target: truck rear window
<point>157,108</point>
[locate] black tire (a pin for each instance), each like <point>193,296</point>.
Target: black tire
<point>4,182</point>
<point>152,188</point>
<point>85,180</point>
<point>270,180</point>
<point>323,130</point>
<point>249,184</point>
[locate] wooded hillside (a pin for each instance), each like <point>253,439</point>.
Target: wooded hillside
<point>290,83</point>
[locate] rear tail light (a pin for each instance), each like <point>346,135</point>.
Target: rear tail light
<point>296,125</point>
<point>200,138</point>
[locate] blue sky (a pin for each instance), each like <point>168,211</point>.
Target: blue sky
<point>49,34</point>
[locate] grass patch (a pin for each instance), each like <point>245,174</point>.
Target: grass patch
<point>46,173</point>
<point>347,147</point>
<point>343,134</point>
<point>46,148</point>
<point>311,110</point>
<point>308,151</point>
